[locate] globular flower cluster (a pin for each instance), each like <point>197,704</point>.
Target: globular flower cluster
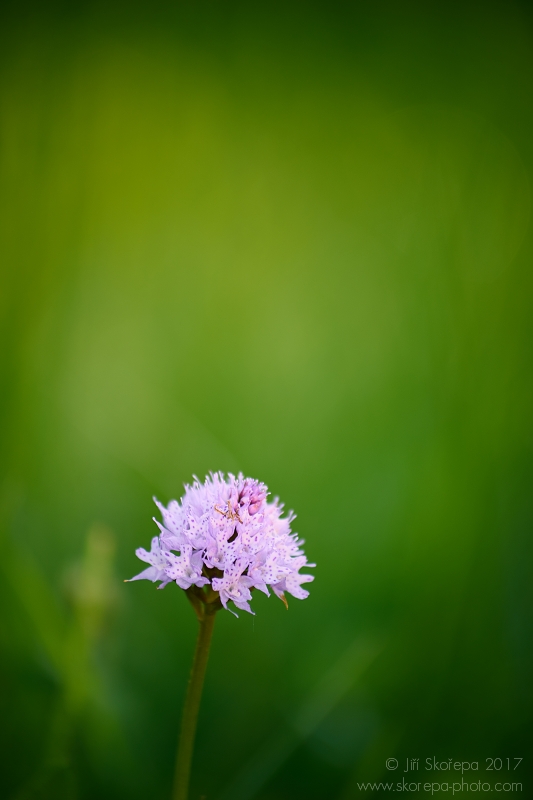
<point>225,534</point>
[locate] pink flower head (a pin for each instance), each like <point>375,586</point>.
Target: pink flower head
<point>226,535</point>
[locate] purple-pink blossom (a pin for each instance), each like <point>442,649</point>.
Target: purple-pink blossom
<point>224,534</point>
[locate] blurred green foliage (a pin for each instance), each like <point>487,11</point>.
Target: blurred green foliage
<point>294,241</point>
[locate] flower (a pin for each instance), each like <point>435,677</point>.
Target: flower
<point>229,538</point>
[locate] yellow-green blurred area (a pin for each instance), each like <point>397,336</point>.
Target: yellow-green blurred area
<point>292,240</point>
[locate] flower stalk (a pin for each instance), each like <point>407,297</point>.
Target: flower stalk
<point>206,618</point>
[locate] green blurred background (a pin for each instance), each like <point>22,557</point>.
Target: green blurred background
<point>292,240</point>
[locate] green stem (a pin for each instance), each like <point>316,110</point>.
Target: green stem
<point>192,704</point>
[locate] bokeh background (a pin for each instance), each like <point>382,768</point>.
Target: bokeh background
<point>293,240</point>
